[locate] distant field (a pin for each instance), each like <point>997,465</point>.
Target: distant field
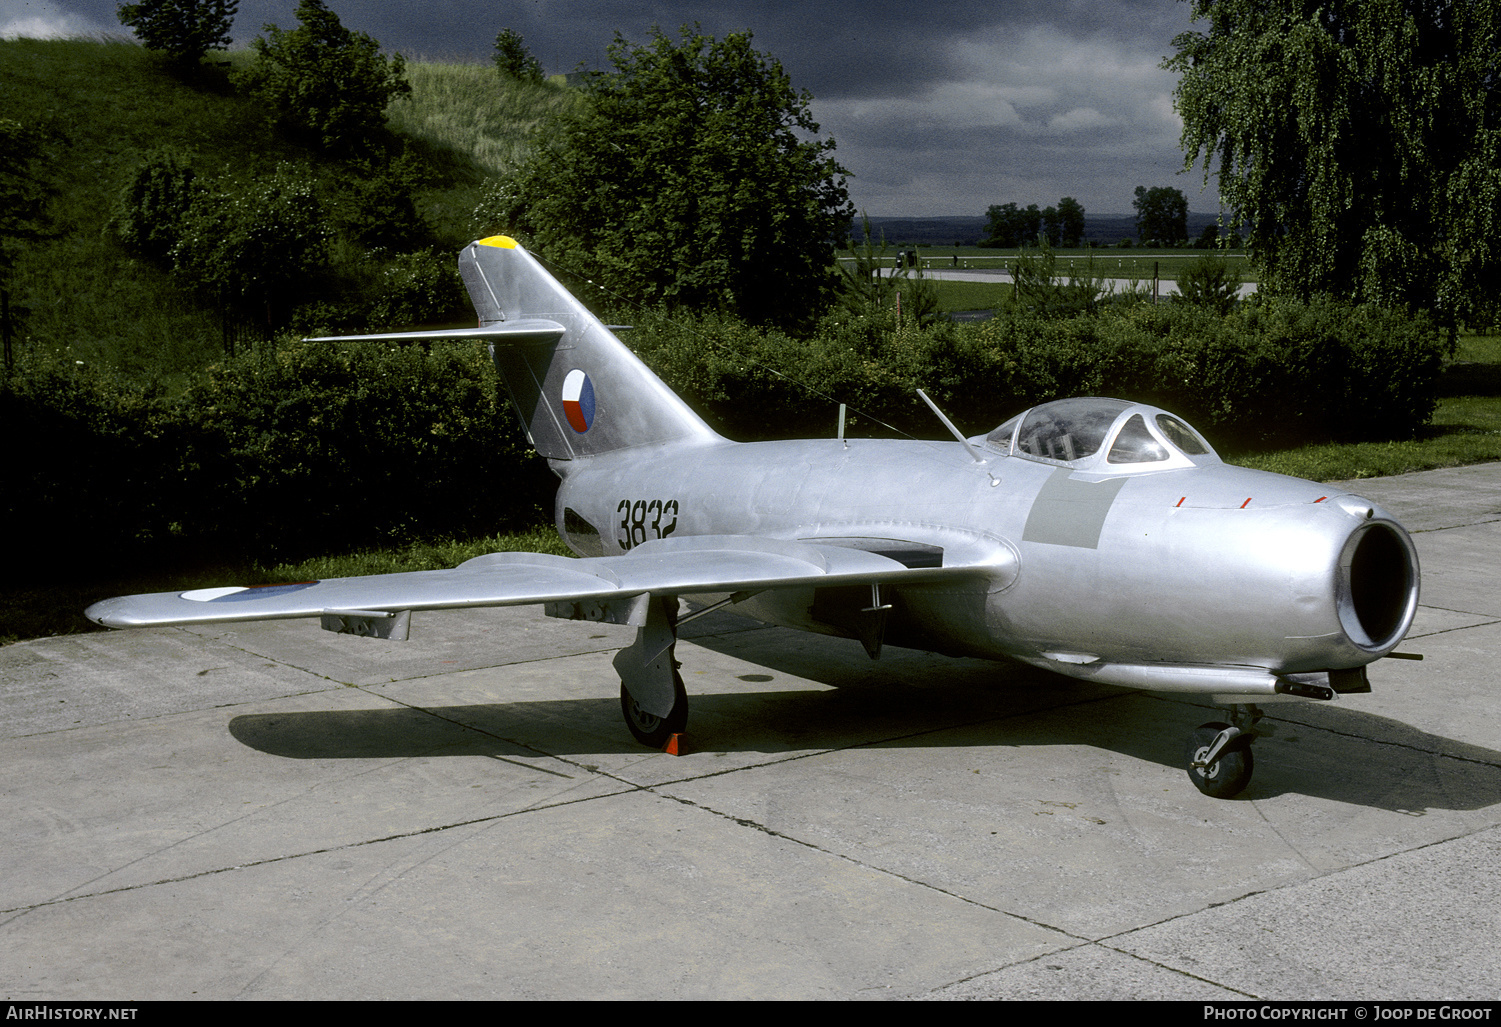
<point>1110,263</point>
<point>959,296</point>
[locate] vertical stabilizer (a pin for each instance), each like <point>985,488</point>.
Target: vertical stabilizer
<point>578,389</point>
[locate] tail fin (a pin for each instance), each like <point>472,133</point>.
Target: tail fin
<point>580,392</point>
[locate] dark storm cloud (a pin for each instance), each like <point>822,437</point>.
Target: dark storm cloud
<point>937,108</point>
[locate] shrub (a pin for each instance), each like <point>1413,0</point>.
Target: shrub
<point>151,212</point>
<point>324,84</point>
<point>317,447</point>
<point>1268,374</point>
<point>95,481</point>
<point>357,442</point>
<point>418,288</point>
<point>1210,281</point>
<point>1040,287</point>
<point>253,244</point>
<point>380,212</point>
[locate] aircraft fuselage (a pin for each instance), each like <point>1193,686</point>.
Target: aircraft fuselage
<point>1201,565</point>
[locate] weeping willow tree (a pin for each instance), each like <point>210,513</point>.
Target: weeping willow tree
<point>1360,140</point>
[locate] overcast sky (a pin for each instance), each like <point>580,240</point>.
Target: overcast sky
<point>937,107</point>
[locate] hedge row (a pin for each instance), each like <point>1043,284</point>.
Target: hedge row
<point>313,447</point>
<point>278,454</point>
<point>1268,374</point>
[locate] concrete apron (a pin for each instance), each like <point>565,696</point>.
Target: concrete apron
<point>273,811</point>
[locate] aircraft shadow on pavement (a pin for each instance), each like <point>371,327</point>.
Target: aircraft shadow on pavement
<point>1340,754</point>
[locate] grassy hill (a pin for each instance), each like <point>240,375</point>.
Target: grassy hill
<point>110,105</point>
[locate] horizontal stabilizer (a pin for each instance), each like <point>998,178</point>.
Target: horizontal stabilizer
<point>528,330</point>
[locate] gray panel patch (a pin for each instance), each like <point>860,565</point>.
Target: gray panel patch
<point>1071,512</point>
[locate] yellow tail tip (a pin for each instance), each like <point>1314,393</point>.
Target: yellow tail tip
<point>504,242</point>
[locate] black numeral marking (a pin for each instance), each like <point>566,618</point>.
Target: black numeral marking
<point>642,519</point>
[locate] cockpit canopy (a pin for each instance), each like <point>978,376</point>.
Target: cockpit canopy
<point>1097,434</point>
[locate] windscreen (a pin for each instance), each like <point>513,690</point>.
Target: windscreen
<point>1135,444</point>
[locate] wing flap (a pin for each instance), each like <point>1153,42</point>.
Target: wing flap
<point>672,566</point>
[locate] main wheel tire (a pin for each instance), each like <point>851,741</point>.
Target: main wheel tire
<point>649,729</point>
<point>1225,777</point>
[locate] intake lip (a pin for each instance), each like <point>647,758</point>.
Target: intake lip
<point>1378,585</point>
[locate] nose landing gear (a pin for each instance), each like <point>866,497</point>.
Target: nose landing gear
<point>1219,755</point>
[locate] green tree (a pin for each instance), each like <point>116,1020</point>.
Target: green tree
<point>692,176</point>
<point>1361,141</point>
<point>152,209</point>
<point>1007,225</point>
<point>184,30</point>
<point>323,83</point>
<point>514,60</point>
<point>1041,289</point>
<point>866,288</point>
<point>378,209</point>
<point>1070,222</point>
<point>1000,225</point>
<point>1052,226</point>
<point>1161,215</point>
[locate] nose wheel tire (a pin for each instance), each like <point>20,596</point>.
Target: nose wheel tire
<point>648,728</point>
<point>1225,777</point>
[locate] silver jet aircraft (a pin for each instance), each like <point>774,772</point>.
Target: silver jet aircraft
<point>1097,538</point>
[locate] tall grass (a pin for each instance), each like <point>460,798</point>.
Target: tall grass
<point>472,109</point>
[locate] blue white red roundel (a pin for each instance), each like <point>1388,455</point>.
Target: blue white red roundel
<point>578,400</point>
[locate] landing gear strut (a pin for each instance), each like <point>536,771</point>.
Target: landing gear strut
<point>1219,755</point>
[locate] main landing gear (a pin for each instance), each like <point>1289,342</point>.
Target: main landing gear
<point>652,697</point>
<point>1219,755</point>
<point>648,728</point>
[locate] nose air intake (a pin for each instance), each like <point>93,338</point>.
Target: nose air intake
<point>1378,594</point>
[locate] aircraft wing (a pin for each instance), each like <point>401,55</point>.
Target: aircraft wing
<point>691,565</point>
